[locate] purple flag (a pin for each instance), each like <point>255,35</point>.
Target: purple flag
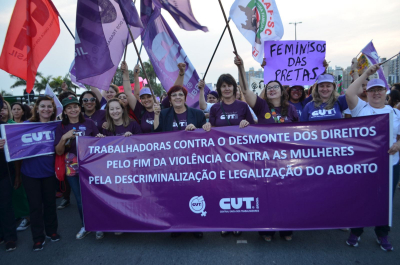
<point>165,52</point>
<point>28,139</point>
<point>317,175</point>
<point>72,75</point>
<point>181,11</point>
<point>101,36</point>
<point>373,57</point>
<point>130,13</point>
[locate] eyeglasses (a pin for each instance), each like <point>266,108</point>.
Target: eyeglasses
<point>374,90</point>
<point>276,87</point>
<point>86,100</point>
<point>297,89</point>
<point>177,95</point>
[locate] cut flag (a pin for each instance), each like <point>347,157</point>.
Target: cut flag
<point>100,40</point>
<point>258,21</point>
<point>370,52</point>
<point>33,30</point>
<point>165,52</point>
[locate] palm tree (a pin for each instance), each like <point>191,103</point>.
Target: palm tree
<point>4,93</point>
<point>56,83</point>
<point>41,86</point>
<point>22,82</point>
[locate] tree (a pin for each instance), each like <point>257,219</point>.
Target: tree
<point>4,93</point>
<point>22,82</point>
<point>151,74</point>
<point>69,83</point>
<point>56,83</point>
<point>41,86</point>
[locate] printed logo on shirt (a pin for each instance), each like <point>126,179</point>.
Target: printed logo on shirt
<point>151,122</point>
<point>299,112</point>
<point>323,113</point>
<point>182,123</point>
<point>230,116</point>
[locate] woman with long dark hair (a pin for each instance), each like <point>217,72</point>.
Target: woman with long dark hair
<point>91,108</point>
<point>20,112</point>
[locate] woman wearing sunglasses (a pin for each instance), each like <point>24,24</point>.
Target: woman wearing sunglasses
<point>91,108</point>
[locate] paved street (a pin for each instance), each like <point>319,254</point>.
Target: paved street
<point>307,247</point>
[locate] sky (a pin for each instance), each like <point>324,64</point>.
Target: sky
<point>346,26</point>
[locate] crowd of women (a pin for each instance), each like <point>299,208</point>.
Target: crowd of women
<point>111,113</point>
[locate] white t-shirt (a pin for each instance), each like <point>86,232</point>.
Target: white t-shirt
<point>347,111</point>
<point>209,105</point>
<point>364,109</point>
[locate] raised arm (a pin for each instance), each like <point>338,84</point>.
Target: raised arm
<point>97,92</point>
<point>181,76</point>
<point>202,100</point>
<point>249,96</point>
<point>132,100</point>
<point>356,88</point>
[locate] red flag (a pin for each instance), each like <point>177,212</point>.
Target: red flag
<point>33,30</point>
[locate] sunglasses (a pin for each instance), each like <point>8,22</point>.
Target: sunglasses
<point>86,100</point>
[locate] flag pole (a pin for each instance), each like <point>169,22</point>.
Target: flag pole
<point>141,63</point>
<point>216,48</point>
<point>140,51</point>
<point>233,42</point>
<point>390,58</point>
<point>58,13</point>
<point>126,48</point>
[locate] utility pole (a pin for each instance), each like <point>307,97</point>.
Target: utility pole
<point>295,28</point>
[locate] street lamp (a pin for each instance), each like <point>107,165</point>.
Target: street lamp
<point>295,24</point>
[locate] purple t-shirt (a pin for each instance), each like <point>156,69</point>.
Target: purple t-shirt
<point>300,105</point>
<point>146,120</point>
<point>182,118</point>
<point>235,112</point>
<point>98,117</point>
<point>311,113</point>
<point>87,128</point>
<point>39,167</point>
<point>264,115</point>
<point>132,127</point>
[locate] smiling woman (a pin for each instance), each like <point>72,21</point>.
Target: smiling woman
<point>91,108</point>
<point>326,103</point>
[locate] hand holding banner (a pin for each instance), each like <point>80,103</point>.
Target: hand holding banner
<point>294,62</point>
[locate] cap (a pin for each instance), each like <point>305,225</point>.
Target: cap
<point>214,93</point>
<point>376,82</point>
<point>69,100</point>
<point>325,78</point>
<point>145,91</point>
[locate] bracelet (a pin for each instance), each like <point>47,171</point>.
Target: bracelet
<point>181,74</point>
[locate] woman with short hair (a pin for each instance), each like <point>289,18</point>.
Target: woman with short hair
<point>376,94</point>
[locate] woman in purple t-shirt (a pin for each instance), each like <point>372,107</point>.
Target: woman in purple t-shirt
<point>91,108</point>
<point>118,122</point>
<point>38,178</point>
<point>143,109</point>
<point>274,107</point>
<point>73,124</point>
<point>229,111</point>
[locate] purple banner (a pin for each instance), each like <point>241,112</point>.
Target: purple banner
<point>165,53</point>
<point>294,62</point>
<point>28,139</point>
<point>318,175</point>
